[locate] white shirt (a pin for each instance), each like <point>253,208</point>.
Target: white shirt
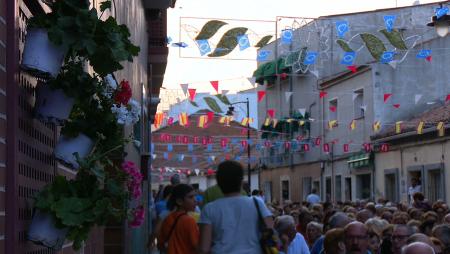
<point>413,190</point>
<point>313,198</point>
<point>298,245</point>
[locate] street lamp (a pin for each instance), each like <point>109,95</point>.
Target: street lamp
<point>230,113</point>
<point>441,24</point>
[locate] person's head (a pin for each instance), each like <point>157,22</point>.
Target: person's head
<point>430,215</point>
<point>304,217</point>
<point>167,191</point>
<point>255,192</point>
<point>285,225</point>
<point>229,176</point>
<point>427,226</point>
<point>418,197</point>
<point>175,179</point>
<point>338,220</point>
<point>386,215</point>
<point>419,237</point>
<point>400,236</point>
<point>442,232</point>
<point>363,215</point>
<point>417,248</point>
<point>334,241</point>
<point>438,247</point>
<point>182,198</point>
<point>415,214</point>
<point>376,225</point>
<point>356,238</point>
<point>374,241</point>
<point>313,231</point>
<point>414,182</point>
<point>314,191</point>
<point>400,218</point>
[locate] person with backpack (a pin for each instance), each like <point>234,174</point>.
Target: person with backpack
<point>233,224</point>
<point>179,233</point>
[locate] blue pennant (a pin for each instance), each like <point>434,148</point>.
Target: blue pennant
<point>341,28</point>
<point>389,21</point>
<point>387,56</point>
<point>243,42</point>
<point>310,58</point>
<point>169,147</point>
<point>349,58</point>
<point>440,12</point>
<point>286,36</point>
<point>263,55</point>
<point>190,147</point>
<point>203,46</point>
<point>424,53</point>
<point>209,148</point>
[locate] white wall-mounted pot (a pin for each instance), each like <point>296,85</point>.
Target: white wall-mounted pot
<point>43,231</point>
<point>67,146</point>
<point>52,105</point>
<point>40,56</point>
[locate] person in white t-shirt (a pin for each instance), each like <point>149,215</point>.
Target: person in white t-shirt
<point>414,188</point>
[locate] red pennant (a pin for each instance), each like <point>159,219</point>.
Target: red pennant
<point>170,121</point>
<point>204,141</point>
<point>210,172</point>
<point>243,131</point>
<point>385,148</point>
<point>267,144</point>
<point>386,96</point>
<point>326,148</point>
<point>223,142</point>
<point>168,137</point>
<point>271,113</point>
<point>346,148</point>
<point>210,116</point>
<point>196,140</point>
<point>244,143</point>
<point>322,94</point>
<point>332,108</point>
<point>300,138</point>
<point>367,147</point>
<point>191,93</point>
<point>287,145</point>
<point>317,142</point>
<point>306,147</point>
<point>352,68</point>
<point>447,98</point>
<point>162,137</point>
<point>283,76</point>
<point>185,139</point>
<point>261,95</point>
<point>396,105</point>
<point>209,140</point>
<point>179,139</point>
<point>215,85</point>
<point>429,58</point>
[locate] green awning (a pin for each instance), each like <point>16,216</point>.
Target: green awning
<point>358,161</point>
<point>268,71</point>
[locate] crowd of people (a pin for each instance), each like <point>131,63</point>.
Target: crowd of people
<point>224,219</point>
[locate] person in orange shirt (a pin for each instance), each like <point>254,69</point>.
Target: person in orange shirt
<point>180,233</point>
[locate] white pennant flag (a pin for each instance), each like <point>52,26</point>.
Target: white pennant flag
<point>354,96</point>
<point>302,111</point>
<point>225,92</point>
<point>431,102</point>
<point>393,64</point>
<point>315,73</point>
<point>288,95</point>
<point>185,88</point>
<point>252,80</point>
<point>417,98</point>
<point>364,108</point>
<point>213,157</point>
<point>197,171</point>
<point>153,156</point>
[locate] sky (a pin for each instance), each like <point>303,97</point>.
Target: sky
<point>232,74</point>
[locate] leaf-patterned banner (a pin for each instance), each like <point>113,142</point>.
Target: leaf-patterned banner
<point>228,42</point>
<point>212,104</point>
<point>264,41</point>
<point>210,29</point>
<point>374,45</point>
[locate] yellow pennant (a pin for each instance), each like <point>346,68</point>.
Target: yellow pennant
<point>274,122</point>
<point>250,120</point>
<point>377,126</point>
<point>441,129</point>
<point>331,124</point>
<point>267,122</point>
<point>183,119</point>
<point>301,122</point>
<point>398,127</point>
<point>353,125</point>
<point>222,119</point>
<point>420,127</point>
<point>289,120</point>
<point>245,121</point>
<point>202,121</point>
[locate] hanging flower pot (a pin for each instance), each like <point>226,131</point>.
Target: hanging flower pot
<point>43,231</point>
<point>52,105</point>
<point>40,55</point>
<point>66,147</point>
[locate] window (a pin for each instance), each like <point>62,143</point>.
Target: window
<point>285,190</point>
<point>338,188</point>
<point>306,186</point>
<point>333,110</point>
<point>391,185</point>
<point>268,191</point>
<point>363,184</point>
<point>328,188</point>
<point>358,103</point>
<point>434,182</point>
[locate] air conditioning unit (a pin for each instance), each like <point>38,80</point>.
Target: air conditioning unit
<point>158,4</point>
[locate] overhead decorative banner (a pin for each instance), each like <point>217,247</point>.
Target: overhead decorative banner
<point>252,80</point>
<point>387,57</point>
<point>420,128</point>
<point>215,85</point>
<point>341,28</point>
<point>286,36</point>
<point>310,58</point>
<point>271,112</point>
<point>203,46</point>
<point>441,129</point>
<point>183,119</point>
<point>346,148</point>
<point>263,55</point>
<point>302,111</point>
<point>389,21</point>
<point>377,126</point>
<point>353,125</point>
<point>442,11</point>
<point>184,87</point>
<point>396,105</point>
<point>322,94</point>
<point>261,95</point>
<point>348,58</point>
<point>243,42</point>
<point>398,127</point>
<point>288,95</point>
<point>386,97</point>
<point>424,53</point>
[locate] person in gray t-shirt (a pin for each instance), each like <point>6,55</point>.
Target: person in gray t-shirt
<point>231,224</point>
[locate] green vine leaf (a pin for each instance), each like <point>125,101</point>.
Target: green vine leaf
<point>193,103</point>
<point>374,45</point>
<point>344,45</point>
<point>264,41</point>
<point>228,42</point>
<point>105,5</point>
<point>210,29</point>
<point>223,99</point>
<point>212,104</point>
<point>395,38</point>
